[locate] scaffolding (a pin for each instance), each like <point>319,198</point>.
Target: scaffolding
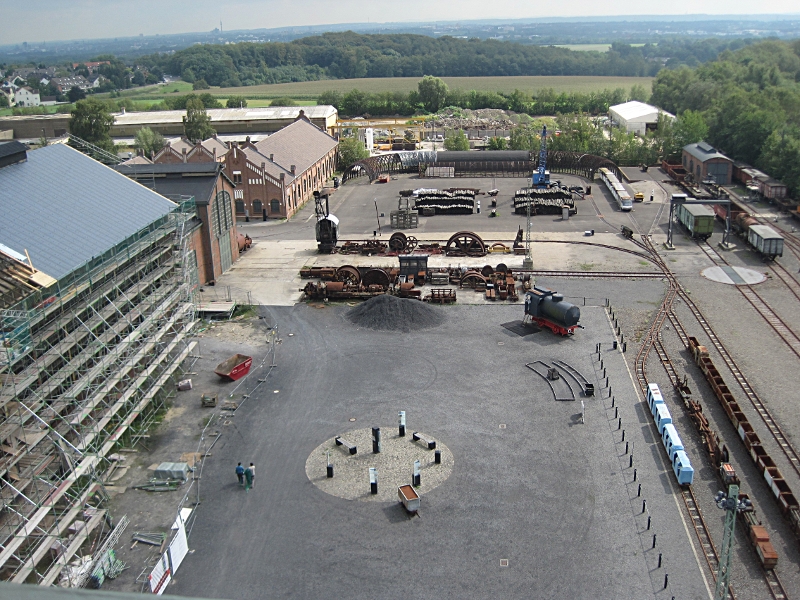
<point>85,367</point>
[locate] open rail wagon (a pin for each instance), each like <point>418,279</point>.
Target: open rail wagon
<point>697,219</point>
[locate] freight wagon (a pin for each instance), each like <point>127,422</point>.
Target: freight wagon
<point>765,240</point>
<point>697,219</point>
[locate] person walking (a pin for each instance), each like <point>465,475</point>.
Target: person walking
<point>248,479</point>
<point>240,474</point>
<point>253,471</point>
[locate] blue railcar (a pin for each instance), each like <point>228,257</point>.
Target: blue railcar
<point>672,440</point>
<point>682,467</point>
<point>662,417</point>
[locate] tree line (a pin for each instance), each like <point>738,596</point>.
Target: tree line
<point>424,99</point>
<point>750,99</point>
<point>348,55</point>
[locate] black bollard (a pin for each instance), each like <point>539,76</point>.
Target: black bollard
<point>639,492</point>
<point>654,542</point>
<point>614,345</point>
<point>631,463</point>
<point>330,471</point>
<point>616,413</point>
<point>416,479</point>
<point>644,506</point>
<point>623,437</point>
<point>613,402</point>
<point>659,560</point>
<point>625,346</point>
<point>648,523</point>
<point>626,447</point>
<point>666,580</point>
<point>437,457</point>
<point>373,480</point>
<point>634,476</point>
<point>376,440</point>
<point>619,424</point>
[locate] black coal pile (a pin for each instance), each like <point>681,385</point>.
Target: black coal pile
<point>395,314</point>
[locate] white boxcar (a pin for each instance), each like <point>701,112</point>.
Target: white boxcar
<point>767,242</point>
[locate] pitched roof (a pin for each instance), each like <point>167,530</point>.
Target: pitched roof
<point>66,208</point>
<point>301,144</point>
<point>704,151</point>
<point>271,167</point>
<point>198,180</point>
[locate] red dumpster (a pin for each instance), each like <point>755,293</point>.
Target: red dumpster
<point>236,367</point>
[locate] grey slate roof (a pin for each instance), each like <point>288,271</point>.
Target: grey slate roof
<point>185,179</point>
<point>704,151</point>
<point>301,144</point>
<point>66,208</point>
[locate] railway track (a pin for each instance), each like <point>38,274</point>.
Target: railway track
<point>594,274</point>
<point>787,278</point>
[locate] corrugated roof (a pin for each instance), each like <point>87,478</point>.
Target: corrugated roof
<point>66,208</point>
<point>300,144</point>
<point>703,151</point>
<point>226,114</point>
<point>12,147</point>
<point>636,110</point>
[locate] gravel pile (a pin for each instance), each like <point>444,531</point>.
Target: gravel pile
<point>395,314</point>
<point>483,118</point>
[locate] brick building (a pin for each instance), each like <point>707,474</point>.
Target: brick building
<point>703,161</point>
<point>214,243</point>
<point>272,178</point>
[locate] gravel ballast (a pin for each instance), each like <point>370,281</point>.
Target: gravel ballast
<point>395,314</point>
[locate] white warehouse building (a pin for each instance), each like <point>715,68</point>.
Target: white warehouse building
<point>636,117</point>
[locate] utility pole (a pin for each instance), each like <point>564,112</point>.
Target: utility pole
<point>730,504</point>
<point>527,262</point>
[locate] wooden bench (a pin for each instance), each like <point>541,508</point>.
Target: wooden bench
<point>340,441</point>
<point>418,437</point>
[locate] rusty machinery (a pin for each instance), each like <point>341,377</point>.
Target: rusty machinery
<point>402,243</point>
<point>465,243</point>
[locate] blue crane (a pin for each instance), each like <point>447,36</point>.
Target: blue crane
<point>541,178</point>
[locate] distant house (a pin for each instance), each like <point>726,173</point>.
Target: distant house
<point>703,161</point>
<point>91,66</point>
<point>49,101</point>
<point>65,84</point>
<point>636,117</point>
<point>26,96</point>
<point>95,81</point>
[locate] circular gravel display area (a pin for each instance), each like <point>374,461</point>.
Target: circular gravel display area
<point>733,275</point>
<point>395,464</point>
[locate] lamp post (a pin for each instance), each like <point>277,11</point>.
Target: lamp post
<point>732,505</point>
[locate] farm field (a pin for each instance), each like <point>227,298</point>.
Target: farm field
<point>586,47</point>
<point>310,90</point>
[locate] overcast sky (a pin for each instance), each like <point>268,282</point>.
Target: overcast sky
<point>49,20</point>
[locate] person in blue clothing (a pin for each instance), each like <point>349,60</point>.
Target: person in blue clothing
<point>240,474</point>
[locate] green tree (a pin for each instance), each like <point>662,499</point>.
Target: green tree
<point>432,93</point>
<point>3,101</point>
<point>523,138</point>
<point>497,143</point>
<point>330,98</point>
<point>456,140</point>
<point>689,128</point>
<point>351,150</point>
<point>639,93</point>
<point>780,156</point>
<point>92,121</point>
<point>197,123</point>
<point>148,141</point>
<point>236,102</point>
<point>282,101</point>
<point>138,78</point>
<point>200,84</point>
<point>75,93</point>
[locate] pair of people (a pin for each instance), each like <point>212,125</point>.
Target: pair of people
<point>246,476</point>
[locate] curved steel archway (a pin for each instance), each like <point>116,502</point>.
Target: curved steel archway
<point>558,161</point>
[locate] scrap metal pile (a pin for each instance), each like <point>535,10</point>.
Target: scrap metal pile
<point>544,201</point>
<point>349,282</point>
<point>451,201</point>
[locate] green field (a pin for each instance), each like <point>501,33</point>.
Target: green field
<point>307,91</point>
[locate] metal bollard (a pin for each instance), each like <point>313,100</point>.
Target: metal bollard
<point>417,477</point>
<point>401,418</point>
<point>623,437</point>
<point>666,580</point>
<point>373,480</point>
<point>619,424</point>
<point>616,412</point>
<point>631,463</point>
<point>634,477</point>
<point>437,457</point>
<point>625,346</point>
<point>376,440</point>
<point>613,402</point>
<point>329,468</point>
<point>644,506</point>
<point>654,542</point>
<point>659,560</point>
<point>648,523</point>
<point>639,492</point>
<point>626,447</point>
<point>614,345</point>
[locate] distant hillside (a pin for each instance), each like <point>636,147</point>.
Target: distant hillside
<point>349,55</point>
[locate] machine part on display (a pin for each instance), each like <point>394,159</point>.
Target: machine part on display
<point>348,274</point>
<point>499,248</point>
<point>397,243</point>
<point>376,277</point>
<point>327,226</point>
<point>441,296</point>
<point>474,280</point>
<point>487,270</point>
<point>465,243</point>
<point>501,268</point>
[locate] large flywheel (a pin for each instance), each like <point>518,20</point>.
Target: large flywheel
<point>465,243</point>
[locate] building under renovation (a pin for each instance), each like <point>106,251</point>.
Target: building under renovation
<point>96,311</point>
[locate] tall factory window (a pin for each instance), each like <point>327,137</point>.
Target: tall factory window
<point>237,178</point>
<point>257,207</point>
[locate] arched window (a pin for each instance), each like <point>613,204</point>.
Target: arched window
<point>240,207</point>
<point>274,207</point>
<point>257,207</point>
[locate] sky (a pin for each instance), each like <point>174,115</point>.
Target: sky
<point>51,20</point>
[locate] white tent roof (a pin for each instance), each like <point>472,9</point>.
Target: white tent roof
<point>630,111</point>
